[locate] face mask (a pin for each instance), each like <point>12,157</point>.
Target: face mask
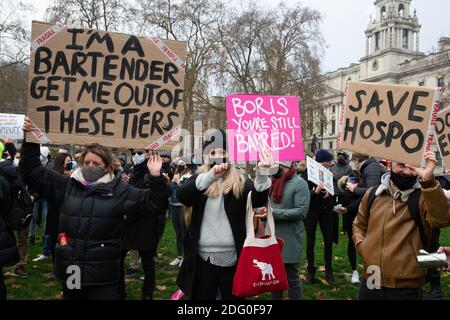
<point>16,163</point>
<point>216,161</point>
<point>181,168</point>
<point>43,159</point>
<point>71,165</point>
<point>138,159</point>
<point>278,174</point>
<point>342,162</point>
<point>403,183</point>
<point>92,173</point>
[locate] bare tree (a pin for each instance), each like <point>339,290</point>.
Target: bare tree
<point>14,33</point>
<point>94,14</point>
<point>274,51</point>
<point>192,21</point>
<point>238,57</point>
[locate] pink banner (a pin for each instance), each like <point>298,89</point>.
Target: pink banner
<point>256,122</point>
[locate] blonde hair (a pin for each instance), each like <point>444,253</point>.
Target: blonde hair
<point>233,181</point>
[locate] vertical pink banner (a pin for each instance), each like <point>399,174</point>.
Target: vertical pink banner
<point>256,121</point>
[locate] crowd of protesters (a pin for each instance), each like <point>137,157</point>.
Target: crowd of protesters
<point>97,208</point>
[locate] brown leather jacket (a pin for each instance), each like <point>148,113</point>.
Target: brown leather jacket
<point>392,240</point>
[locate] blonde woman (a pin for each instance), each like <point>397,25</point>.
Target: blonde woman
<point>216,232</point>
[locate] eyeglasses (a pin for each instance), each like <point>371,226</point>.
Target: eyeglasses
<point>139,153</point>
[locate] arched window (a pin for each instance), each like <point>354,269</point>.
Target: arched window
<point>401,10</point>
<point>383,13</point>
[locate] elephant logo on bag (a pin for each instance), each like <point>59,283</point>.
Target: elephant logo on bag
<point>266,269</point>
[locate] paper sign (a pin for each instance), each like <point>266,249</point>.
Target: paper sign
<point>264,122</point>
<point>11,126</point>
<point>115,89</point>
<point>443,135</point>
<point>319,175</point>
<point>392,122</point>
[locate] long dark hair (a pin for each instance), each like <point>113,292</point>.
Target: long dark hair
<point>59,162</point>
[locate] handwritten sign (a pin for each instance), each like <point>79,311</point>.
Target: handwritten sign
<point>11,126</point>
<point>443,135</point>
<point>319,175</point>
<point>118,90</point>
<point>390,121</point>
<point>256,122</point>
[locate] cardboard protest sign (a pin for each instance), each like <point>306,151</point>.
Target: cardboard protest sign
<point>264,122</point>
<point>11,126</point>
<point>115,89</point>
<point>443,135</point>
<point>319,175</point>
<point>393,122</point>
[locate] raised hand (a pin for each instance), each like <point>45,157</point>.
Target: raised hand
<point>266,164</point>
<point>427,173</point>
<point>28,125</point>
<point>154,165</point>
<point>220,170</point>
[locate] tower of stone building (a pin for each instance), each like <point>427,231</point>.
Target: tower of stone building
<point>391,38</point>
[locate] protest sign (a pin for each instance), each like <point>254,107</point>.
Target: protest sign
<point>115,89</point>
<point>443,135</point>
<point>264,122</point>
<point>11,126</point>
<point>319,175</point>
<point>393,122</point>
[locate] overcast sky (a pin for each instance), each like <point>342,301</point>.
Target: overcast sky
<point>344,23</point>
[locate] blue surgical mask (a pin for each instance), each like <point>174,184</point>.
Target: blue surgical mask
<point>138,159</point>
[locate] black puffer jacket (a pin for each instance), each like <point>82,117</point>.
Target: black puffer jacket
<point>190,196</point>
<point>9,254</point>
<point>141,233</point>
<point>371,173</point>
<point>92,219</point>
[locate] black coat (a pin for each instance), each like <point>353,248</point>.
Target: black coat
<point>92,219</point>
<point>371,173</point>
<point>9,254</point>
<point>236,211</point>
<point>141,233</point>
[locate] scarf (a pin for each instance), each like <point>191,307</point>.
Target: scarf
<point>276,190</point>
<point>78,175</point>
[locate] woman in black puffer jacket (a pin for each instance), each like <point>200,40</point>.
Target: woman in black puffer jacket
<point>92,204</point>
<point>9,254</point>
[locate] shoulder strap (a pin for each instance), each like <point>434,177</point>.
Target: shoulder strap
<point>6,184</point>
<point>414,211</point>
<point>372,195</point>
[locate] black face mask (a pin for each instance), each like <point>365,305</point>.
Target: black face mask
<point>342,162</point>
<point>403,183</point>
<point>217,161</point>
<point>181,168</point>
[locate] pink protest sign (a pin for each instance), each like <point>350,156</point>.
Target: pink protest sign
<point>256,122</point>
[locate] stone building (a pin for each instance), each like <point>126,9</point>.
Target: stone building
<point>392,56</point>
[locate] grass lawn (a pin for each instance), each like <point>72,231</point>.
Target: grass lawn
<point>40,285</point>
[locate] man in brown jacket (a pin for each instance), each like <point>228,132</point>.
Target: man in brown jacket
<point>387,237</point>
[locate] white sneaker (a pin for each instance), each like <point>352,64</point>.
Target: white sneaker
<point>40,257</point>
<point>181,262</point>
<point>176,262</point>
<point>355,277</point>
<point>142,277</point>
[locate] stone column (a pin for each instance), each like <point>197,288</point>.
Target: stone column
<point>367,45</point>
<point>418,41</point>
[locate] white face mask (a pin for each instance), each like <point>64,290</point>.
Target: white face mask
<point>43,160</point>
<point>138,159</point>
<point>16,163</point>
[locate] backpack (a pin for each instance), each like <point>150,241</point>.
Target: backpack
<point>430,245</point>
<point>19,210</point>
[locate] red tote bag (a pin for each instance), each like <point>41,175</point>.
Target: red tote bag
<point>260,267</point>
